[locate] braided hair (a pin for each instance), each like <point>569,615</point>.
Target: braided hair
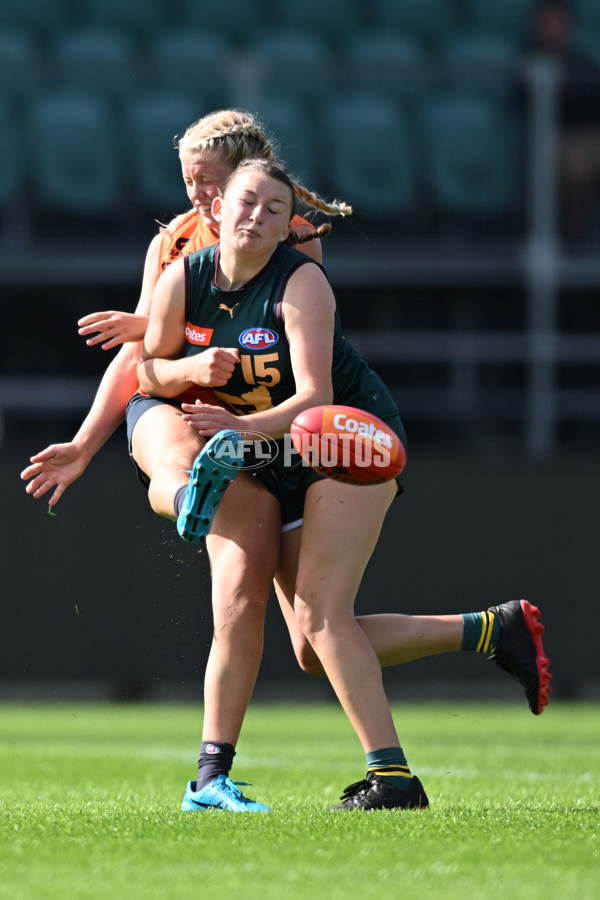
<point>232,136</point>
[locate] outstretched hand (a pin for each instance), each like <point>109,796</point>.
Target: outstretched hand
<point>113,328</point>
<point>58,466</point>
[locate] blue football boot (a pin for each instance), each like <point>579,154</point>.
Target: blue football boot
<point>215,467</point>
<point>220,793</point>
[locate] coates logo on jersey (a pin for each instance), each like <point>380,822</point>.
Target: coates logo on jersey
<point>196,335</point>
<point>258,338</point>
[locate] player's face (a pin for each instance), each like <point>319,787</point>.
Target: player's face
<point>255,212</point>
<point>203,179</point>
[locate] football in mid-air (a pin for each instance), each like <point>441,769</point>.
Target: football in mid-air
<point>348,444</point>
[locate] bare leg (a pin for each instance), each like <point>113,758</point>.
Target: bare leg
<point>395,638</point>
<point>398,638</point>
<point>164,447</point>
<point>243,546</point>
<point>341,527</point>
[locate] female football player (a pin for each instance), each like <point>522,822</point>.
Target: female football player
<point>264,284</point>
<point>209,151</point>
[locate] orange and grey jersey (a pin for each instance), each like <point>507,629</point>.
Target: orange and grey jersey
<point>188,232</point>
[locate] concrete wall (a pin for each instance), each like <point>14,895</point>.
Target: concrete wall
<point>104,597</point>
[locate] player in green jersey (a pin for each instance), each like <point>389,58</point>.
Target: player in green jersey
<point>331,550</point>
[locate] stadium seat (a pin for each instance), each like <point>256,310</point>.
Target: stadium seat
<point>481,62</point>
<point>587,15</point>
<point>294,137</point>
<point>152,121</point>
<point>510,18</point>
<point>239,21</point>
<point>587,45</point>
<point>471,163</point>
<point>140,19</point>
<point>428,21</point>
<point>335,20</point>
<point>198,61</point>
<point>293,63</point>
<point>100,61</point>
<point>19,64</point>
<point>387,64</point>
<point>41,18</point>
<point>75,166</point>
<point>372,152</point>
<point>10,154</point>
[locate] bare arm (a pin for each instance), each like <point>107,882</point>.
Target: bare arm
<point>163,370</point>
<point>308,309</point>
<point>59,465</point>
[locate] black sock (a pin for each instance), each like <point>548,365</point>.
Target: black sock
<point>215,759</point>
<point>178,498</point>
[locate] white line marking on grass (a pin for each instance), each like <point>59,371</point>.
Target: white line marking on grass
<point>171,754</point>
<point>434,771</point>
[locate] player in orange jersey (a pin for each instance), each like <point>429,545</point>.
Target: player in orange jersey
<point>209,151</point>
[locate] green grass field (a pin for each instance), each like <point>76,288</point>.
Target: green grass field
<point>91,792</point>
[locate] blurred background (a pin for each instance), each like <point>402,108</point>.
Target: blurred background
<point>466,135</point>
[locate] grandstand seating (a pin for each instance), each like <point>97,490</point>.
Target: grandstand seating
<point>295,63</point>
<point>388,64</point>
<point>152,121</point>
<point>140,19</point>
<point>240,21</point>
<point>587,45</point>
<point>294,135</point>
<point>197,61</point>
<point>292,63</point>
<point>372,155</point>
<point>19,63</point>
<point>97,60</point>
<point>510,18</point>
<point>428,21</point>
<point>76,165</point>
<point>481,62</point>
<point>42,18</point>
<point>335,20</point>
<point>10,154</point>
<point>470,156</point>
<point>587,15</point>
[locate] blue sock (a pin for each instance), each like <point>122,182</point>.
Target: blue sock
<point>389,763</point>
<point>481,631</point>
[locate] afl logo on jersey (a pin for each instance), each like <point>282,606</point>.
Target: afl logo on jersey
<point>258,338</point>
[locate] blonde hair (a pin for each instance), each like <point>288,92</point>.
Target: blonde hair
<point>231,136</point>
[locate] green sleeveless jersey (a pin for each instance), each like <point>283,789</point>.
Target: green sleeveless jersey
<point>250,319</point>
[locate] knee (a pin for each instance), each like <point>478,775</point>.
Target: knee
<point>308,660</point>
<point>243,610</point>
<point>307,621</point>
<point>311,625</point>
<point>158,503</point>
